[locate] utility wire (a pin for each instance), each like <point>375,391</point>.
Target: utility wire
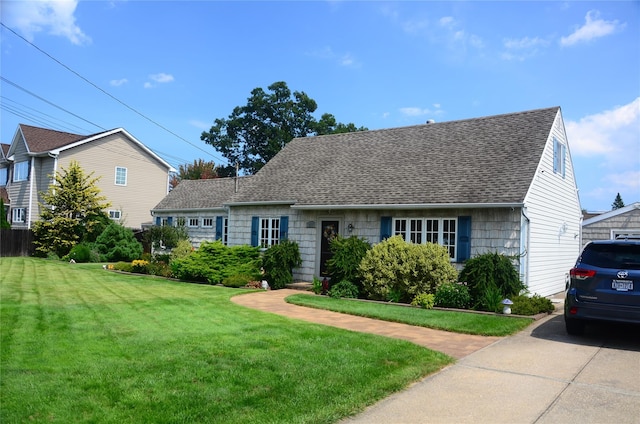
<point>107,93</point>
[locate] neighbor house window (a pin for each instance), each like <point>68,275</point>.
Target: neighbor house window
<point>21,171</point>
<point>4,176</point>
<point>121,176</point>
<point>559,157</point>
<point>225,230</point>
<point>269,232</point>
<point>19,215</point>
<point>207,222</point>
<point>193,222</point>
<point>115,215</point>
<point>440,231</point>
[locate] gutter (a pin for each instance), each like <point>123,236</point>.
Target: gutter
<point>412,206</point>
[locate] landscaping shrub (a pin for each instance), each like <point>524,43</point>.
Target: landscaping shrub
<point>316,286</point>
<point>238,280</point>
<point>453,295</point>
<point>347,253</point>
<point>83,252</point>
<point>490,300</point>
<point>536,304</point>
<point>117,243</point>
<point>403,270</point>
<point>165,236</point>
<point>140,266</point>
<point>278,262</point>
<point>213,262</point>
<point>487,272</point>
<point>181,250</point>
<point>344,289</point>
<point>424,300</point>
<point>122,266</point>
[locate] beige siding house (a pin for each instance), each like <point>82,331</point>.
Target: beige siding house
<point>500,183</point>
<point>132,177</point>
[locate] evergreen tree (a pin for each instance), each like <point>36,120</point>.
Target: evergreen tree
<point>72,209</point>
<point>617,203</point>
<point>4,223</point>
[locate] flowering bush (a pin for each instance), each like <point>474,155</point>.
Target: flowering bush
<point>140,266</point>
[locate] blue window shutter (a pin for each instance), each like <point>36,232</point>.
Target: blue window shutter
<point>464,238</point>
<point>284,228</point>
<point>170,221</point>
<point>385,227</point>
<point>219,224</point>
<point>158,221</point>
<point>255,223</point>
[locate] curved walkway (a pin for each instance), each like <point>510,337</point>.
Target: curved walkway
<point>453,344</point>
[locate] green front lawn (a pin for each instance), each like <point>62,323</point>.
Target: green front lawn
<point>81,344</point>
<point>458,322</point>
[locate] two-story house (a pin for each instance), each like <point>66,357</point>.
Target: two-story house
<point>132,177</point>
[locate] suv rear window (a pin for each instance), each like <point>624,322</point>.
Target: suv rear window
<point>619,256</point>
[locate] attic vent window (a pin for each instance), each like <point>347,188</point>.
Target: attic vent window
<point>559,157</point>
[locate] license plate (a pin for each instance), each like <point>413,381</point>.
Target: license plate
<point>622,285</point>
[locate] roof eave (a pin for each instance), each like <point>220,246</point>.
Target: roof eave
<point>188,210</point>
<point>413,206</point>
<point>262,203</point>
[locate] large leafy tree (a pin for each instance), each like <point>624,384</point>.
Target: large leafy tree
<point>256,132</point>
<point>198,170</point>
<point>72,211</point>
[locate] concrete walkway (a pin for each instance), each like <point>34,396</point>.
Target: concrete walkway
<point>453,344</point>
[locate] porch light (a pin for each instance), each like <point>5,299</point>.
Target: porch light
<point>350,228</point>
<point>507,306</point>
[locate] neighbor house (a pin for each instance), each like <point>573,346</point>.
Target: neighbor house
<point>614,224</point>
<point>494,184</point>
<point>4,176</point>
<point>131,176</point>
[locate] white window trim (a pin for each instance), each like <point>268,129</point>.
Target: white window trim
<point>272,235</point>
<point>423,232</point>
<point>193,218</point>
<point>115,214</point>
<point>205,222</point>
<point>18,177</point>
<point>225,230</point>
<point>559,157</point>
<point>126,176</point>
<point>18,215</point>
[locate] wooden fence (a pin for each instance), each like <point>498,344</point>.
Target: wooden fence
<point>16,242</point>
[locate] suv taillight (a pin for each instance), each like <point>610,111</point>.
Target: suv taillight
<point>582,274</point>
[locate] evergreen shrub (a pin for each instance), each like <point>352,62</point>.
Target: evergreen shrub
<point>453,295</point>
<point>536,304</point>
<point>278,262</point>
<point>117,243</point>
<point>424,300</point>
<point>344,289</point>
<point>395,268</point>
<point>347,253</point>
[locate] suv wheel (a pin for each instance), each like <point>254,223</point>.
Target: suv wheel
<point>574,327</point>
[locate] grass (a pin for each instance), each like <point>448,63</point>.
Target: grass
<point>458,322</point>
<point>81,344</point>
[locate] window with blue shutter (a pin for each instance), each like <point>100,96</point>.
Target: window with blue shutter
<point>464,238</point>
<point>385,227</point>
<point>158,221</point>
<point>284,228</point>
<point>255,226</point>
<point>219,227</point>
<point>170,221</point>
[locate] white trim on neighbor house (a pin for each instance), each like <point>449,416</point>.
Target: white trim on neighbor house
<point>123,172</point>
<point>611,214</point>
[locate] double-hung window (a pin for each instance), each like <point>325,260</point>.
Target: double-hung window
<point>4,176</point>
<point>121,176</point>
<point>269,232</point>
<point>193,222</point>
<point>21,171</point>
<point>207,222</point>
<point>115,214</point>
<point>559,157</point>
<point>440,231</point>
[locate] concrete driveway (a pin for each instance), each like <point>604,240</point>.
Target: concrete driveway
<point>540,375</point>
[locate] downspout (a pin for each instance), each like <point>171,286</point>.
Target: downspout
<point>32,175</point>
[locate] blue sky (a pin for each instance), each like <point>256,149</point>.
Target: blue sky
<point>171,67</point>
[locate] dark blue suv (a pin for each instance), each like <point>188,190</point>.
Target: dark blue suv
<point>604,285</point>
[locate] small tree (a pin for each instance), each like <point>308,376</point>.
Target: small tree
<point>117,243</point>
<point>278,262</point>
<point>347,255</point>
<point>617,203</point>
<point>3,216</point>
<point>71,209</point>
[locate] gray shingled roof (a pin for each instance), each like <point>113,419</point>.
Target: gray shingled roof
<point>474,161</point>
<point>200,194</point>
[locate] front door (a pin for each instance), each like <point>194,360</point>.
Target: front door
<point>330,229</point>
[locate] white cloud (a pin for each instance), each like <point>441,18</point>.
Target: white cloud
<point>613,132</point>
<point>344,59</point>
<point>204,126</point>
<point>119,82</point>
<point>417,111</point>
<point>161,77</point>
<point>54,16</point>
<point>522,48</point>
<point>594,27</point>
